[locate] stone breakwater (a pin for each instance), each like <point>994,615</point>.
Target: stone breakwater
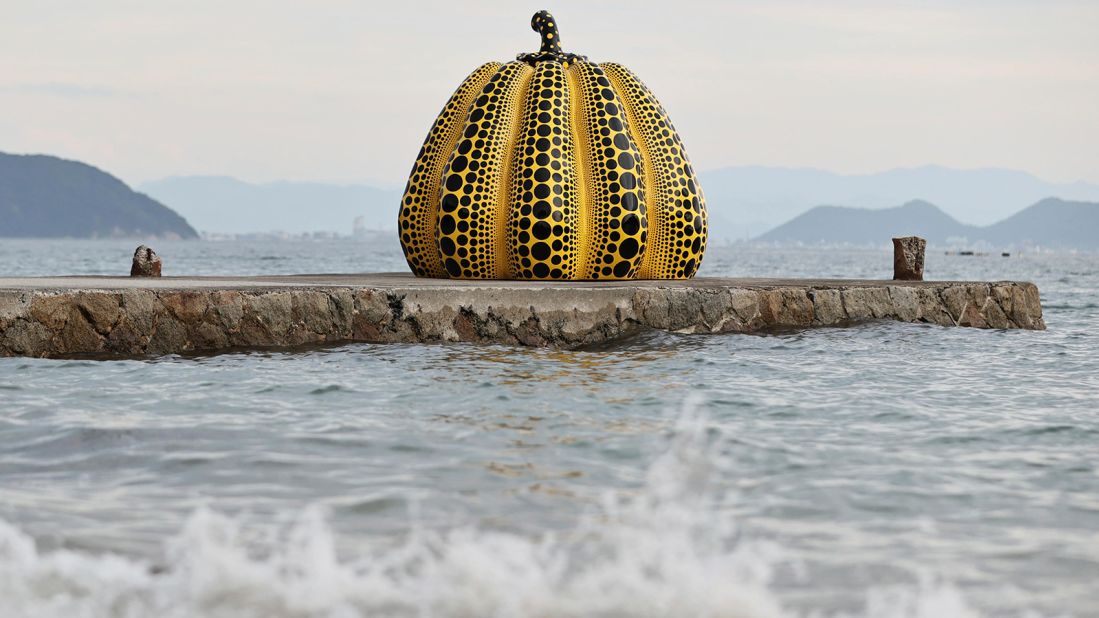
<point>104,316</point>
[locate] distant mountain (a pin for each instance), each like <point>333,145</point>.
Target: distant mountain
<point>839,224</point>
<point>751,199</point>
<point>1050,223</point>
<point>47,197</point>
<point>224,205</point>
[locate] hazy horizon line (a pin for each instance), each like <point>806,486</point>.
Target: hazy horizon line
<point>378,184</point>
<point>395,184</point>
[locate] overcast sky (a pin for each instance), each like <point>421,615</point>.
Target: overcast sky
<point>345,91</point>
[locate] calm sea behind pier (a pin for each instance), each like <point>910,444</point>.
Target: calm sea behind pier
<point>882,470</point>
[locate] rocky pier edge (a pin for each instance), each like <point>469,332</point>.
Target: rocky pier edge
<point>104,316</point>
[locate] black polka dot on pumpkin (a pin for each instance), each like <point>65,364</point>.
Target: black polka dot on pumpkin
<point>541,230</point>
<point>628,248</point>
<point>631,224</point>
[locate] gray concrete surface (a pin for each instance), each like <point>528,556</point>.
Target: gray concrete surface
<point>122,316</point>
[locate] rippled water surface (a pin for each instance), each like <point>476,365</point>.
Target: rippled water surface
<point>881,470</point>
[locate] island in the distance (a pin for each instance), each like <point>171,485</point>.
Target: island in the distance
<point>1051,223</point>
<point>47,197</point>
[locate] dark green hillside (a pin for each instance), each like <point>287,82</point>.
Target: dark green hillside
<point>47,197</point>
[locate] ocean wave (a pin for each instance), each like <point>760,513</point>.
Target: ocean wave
<point>668,549</point>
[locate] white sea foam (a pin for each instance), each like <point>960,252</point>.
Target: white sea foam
<point>665,551</point>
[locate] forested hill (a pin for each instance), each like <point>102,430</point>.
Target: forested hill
<point>47,197</point>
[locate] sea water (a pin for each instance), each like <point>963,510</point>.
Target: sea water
<point>881,470</point>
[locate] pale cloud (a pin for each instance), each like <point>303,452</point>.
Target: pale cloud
<point>344,90</point>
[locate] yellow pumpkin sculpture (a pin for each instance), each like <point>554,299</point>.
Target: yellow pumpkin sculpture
<point>553,167</point>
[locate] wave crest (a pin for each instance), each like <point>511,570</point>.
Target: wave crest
<point>670,549</point>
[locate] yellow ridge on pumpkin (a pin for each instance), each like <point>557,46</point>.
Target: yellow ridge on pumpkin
<point>470,209</point>
<point>542,224</point>
<point>616,220</point>
<point>580,164</point>
<point>506,198</point>
<point>420,202</point>
<point>677,207</point>
<point>656,201</point>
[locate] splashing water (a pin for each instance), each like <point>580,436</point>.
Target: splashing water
<point>669,549</point>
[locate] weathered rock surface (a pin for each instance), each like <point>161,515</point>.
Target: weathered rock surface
<point>908,254</point>
<point>146,263</point>
<point>119,316</point>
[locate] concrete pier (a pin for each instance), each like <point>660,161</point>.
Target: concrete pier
<point>107,316</point>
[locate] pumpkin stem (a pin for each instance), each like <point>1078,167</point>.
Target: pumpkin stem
<point>544,24</point>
